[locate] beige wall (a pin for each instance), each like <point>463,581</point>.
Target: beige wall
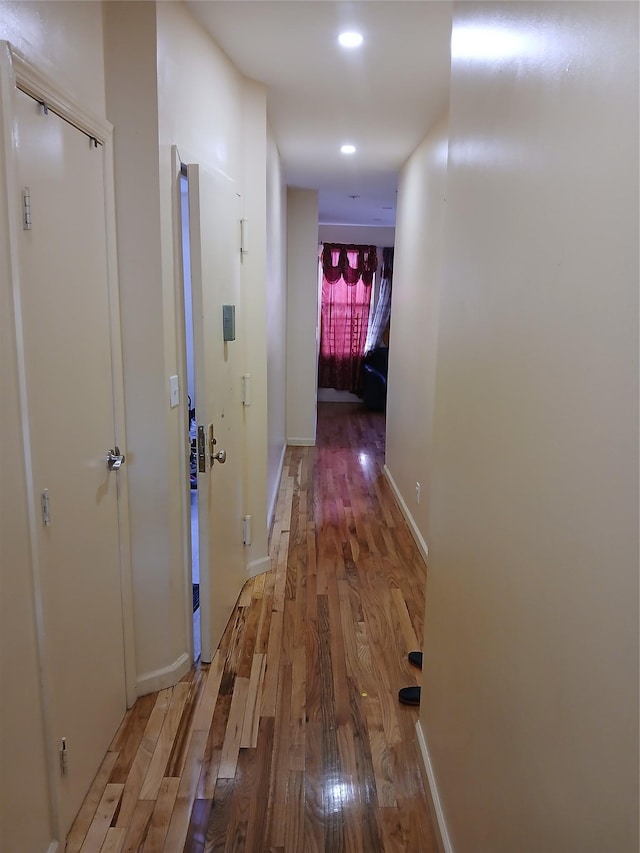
<point>44,30</point>
<point>66,41</point>
<point>366,234</point>
<point>218,118</point>
<point>530,683</point>
<point>200,109</point>
<point>159,67</point>
<point>132,95</point>
<point>415,302</point>
<point>302,315</point>
<point>276,318</point>
<point>185,93</point>
<point>255,290</point>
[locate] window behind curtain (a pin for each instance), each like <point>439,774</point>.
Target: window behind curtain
<point>347,276</point>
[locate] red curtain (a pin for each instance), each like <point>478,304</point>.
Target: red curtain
<point>347,275</point>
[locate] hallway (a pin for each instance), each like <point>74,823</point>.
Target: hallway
<point>293,738</point>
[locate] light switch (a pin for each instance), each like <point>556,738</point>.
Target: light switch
<point>174,392</point>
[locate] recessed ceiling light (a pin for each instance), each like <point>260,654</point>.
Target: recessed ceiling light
<point>348,149</point>
<point>350,39</point>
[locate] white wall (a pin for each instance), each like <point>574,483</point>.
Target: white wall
<point>276,317</point>
<point>302,315</point>
<point>66,41</point>
<point>217,118</point>
<point>200,109</point>
<point>168,83</point>
<point>255,284</point>
<point>365,234</point>
<point>415,302</point>
<point>530,682</point>
<point>132,104</point>
<point>161,67</point>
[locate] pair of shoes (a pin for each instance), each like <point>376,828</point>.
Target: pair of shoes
<point>409,695</point>
<point>415,658</point>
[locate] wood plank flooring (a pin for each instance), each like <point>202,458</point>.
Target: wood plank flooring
<point>293,738</point>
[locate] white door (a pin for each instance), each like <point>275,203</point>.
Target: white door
<point>70,398</point>
<point>214,232</point>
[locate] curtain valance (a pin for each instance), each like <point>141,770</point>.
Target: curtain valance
<point>350,262</point>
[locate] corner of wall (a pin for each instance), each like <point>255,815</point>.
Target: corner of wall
<point>257,567</point>
<point>273,498</point>
<point>168,676</point>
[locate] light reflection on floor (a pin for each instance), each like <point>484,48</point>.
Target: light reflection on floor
<point>337,794</point>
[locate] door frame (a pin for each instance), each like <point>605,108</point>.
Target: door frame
<point>17,73</point>
<point>206,652</point>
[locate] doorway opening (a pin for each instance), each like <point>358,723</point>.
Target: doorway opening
<point>191,392</point>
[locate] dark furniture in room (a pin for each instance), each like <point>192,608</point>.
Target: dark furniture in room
<point>374,368</point>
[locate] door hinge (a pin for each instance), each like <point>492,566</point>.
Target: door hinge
<point>64,766</point>
<point>26,209</point>
<point>44,506</point>
<point>244,238</point>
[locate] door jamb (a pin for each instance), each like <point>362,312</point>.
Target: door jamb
<point>178,277</point>
<point>177,162</point>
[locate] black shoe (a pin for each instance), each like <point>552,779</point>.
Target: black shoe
<point>409,695</point>
<point>415,658</point>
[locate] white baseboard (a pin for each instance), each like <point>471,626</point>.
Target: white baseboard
<point>274,497</point>
<point>169,676</point>
<point>53,847</point>
<point>413,527</point>
<point>433,791</point>
<point>257,567</point>
<point>302,442</point>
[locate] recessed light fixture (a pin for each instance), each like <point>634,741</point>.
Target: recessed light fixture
<point>348,149</point>
<point>350,39</point>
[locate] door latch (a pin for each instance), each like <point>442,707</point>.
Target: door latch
<point>202,457</point>
<point>221,455</point>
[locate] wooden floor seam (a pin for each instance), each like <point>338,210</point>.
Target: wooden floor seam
<point>293,738</point>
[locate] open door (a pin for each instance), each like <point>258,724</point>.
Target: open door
<point>214,238</point>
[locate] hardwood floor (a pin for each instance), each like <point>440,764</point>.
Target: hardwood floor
<point>293,738</point>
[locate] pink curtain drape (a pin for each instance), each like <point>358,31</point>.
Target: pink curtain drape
<point>348,272</point>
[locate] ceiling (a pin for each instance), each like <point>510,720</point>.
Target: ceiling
<point>382,97</point>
